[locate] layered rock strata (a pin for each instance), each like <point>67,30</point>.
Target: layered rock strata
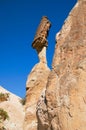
<point>63,106</point>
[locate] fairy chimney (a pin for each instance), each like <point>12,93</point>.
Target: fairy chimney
<point>37,79</point>
<point>40,40</point>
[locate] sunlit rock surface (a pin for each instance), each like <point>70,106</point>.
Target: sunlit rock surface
<point>14,109</point>
<point>63,106</point>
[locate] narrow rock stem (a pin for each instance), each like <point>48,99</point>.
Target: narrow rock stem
<point>42,55</point>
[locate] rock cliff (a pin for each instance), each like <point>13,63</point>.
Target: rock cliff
<point>65,96</point>
<point>56,99</point>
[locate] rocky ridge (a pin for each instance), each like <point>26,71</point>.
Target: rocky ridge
<point>14,109</point>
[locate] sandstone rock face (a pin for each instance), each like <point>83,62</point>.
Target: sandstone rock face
<point>35,85</point>
<point>14,109</point>
<point>40,39</point>
<point>37,79</point>
<point>63,105</point>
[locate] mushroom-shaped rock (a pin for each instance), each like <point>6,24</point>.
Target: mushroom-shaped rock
<point>40,39</point>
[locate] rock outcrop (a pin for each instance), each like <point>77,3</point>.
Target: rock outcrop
<point>11,104</point>
<point>36,84</point>
<point>64,105</point>
<point>56,99</point>
<point>37,79</point>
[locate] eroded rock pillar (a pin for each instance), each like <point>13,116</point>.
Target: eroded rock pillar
<point>37,79</point>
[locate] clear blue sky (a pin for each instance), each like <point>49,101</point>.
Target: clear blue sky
<point>19,20</point>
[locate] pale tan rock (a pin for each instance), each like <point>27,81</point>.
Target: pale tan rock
<point>37,79</point>
<point>65,94</point>
<point>15,111</point>
<point>36,83</point>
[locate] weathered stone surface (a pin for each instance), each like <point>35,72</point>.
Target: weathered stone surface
<point>64,104</point>
<point>42,113</point>
<point>37,80</point>
<point>36,83</point>
<point>15,111</point>
<point>40,39</point>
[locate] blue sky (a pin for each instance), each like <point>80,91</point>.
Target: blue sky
<point>19,20</point>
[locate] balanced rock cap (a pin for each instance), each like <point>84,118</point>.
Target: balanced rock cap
<point>40,39</point>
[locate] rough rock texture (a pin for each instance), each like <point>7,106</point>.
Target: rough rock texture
<point>63,105</point>
<point>40,39</point>
<point>56,99</point>
<point>15,111</point>
<point>37,79</point>
<point>36,83</point>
